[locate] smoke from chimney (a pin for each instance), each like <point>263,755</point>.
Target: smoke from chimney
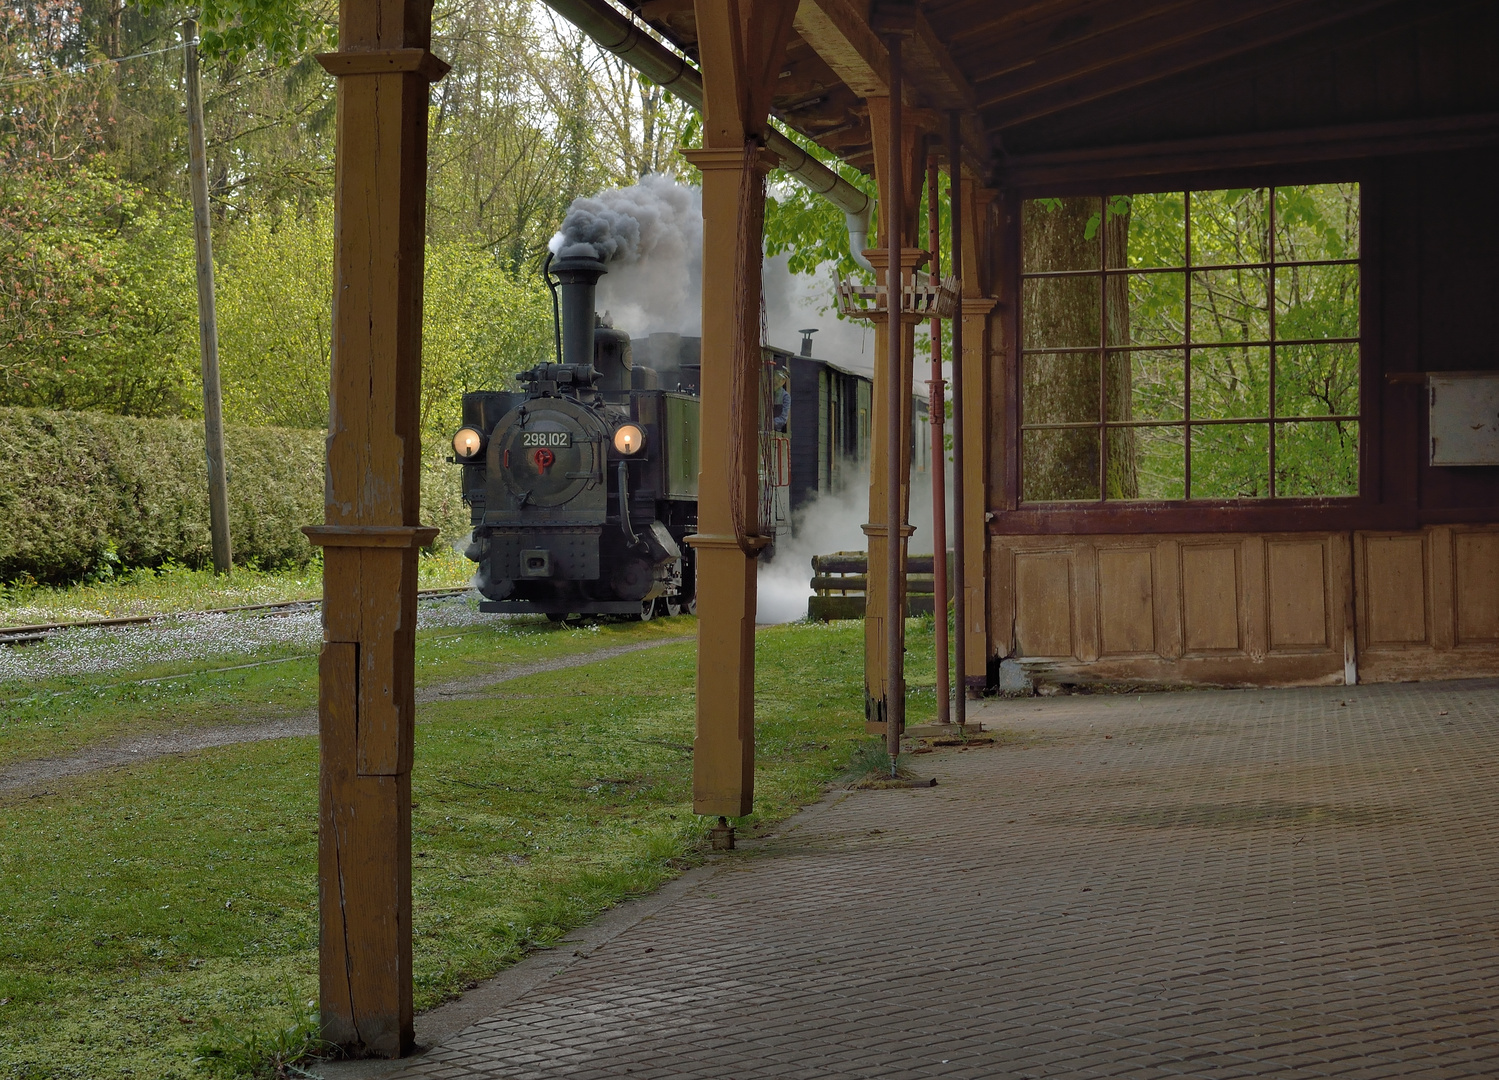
<point>650,236</point>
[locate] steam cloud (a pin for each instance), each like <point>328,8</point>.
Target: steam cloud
<point>650,235</point>
<point>830,523</point>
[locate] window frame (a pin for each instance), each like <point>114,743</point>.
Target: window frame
<point>1010,515</point>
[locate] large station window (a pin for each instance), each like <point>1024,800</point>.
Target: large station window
<point>1190,345</point>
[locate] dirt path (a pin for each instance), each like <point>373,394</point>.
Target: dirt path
<point>123,752</point>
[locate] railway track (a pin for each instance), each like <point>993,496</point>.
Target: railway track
<point>38,632</point>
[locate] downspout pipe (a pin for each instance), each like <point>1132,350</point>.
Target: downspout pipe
<point>614,33</point>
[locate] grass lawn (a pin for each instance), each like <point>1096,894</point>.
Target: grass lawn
<point>57,716</point>
<point>161,921</point>
<point>180,588</point>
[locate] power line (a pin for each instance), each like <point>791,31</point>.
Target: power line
<point>15,80</point>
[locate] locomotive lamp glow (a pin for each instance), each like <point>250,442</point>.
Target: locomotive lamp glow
<point>628,438</point>
<point>467,444</point>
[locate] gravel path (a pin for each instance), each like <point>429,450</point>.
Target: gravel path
<point>123,752</point>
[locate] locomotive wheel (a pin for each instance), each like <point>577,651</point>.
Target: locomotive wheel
<point>673,605</point>
<point>691,606</point>
<point>647,610</point>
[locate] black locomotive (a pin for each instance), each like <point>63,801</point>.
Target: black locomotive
<point>583,484</point>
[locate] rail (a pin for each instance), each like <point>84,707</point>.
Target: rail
<point>31,633</point>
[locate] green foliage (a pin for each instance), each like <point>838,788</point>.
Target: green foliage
<point>1223,350</point>
<point>479,325</point>
<point>77,487</point>
<point>275,293</point>
<point>89,494</point>
<point>227,1052</point>
<point>812,229</point>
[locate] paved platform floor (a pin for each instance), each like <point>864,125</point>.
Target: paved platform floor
<point>1289,883</point>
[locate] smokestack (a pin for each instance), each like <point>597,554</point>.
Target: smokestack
<point>806,341</point>
<point>577,277</point>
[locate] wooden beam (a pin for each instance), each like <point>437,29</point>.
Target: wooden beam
<point>1348,142</point>
<point>1151,52</point>
<point>742,46</point>
<point>840,34</point>
<point>1001,46</point>
<point>371,529</point>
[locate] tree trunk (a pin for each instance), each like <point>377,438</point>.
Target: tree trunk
<point>1064,384</point>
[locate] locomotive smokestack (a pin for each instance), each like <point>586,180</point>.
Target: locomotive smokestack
<point>577,277</point>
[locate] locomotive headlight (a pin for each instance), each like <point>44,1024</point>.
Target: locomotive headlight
<point>628,438</point>
<point>467,444</point>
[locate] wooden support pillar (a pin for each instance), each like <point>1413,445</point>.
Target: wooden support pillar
<point>741,47</point>
<point>981,428</point>
<point>372,532</point>
<point>881,685</point>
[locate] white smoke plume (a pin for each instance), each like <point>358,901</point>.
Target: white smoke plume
<point>834,523</point>
<point>650,236</point>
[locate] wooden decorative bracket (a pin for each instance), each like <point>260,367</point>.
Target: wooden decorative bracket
<point>384,62</point>
<point>370,536</point>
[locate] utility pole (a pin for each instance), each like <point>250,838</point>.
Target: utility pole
<point>208,324</point>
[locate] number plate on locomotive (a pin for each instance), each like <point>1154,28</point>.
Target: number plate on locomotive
<point>546,438</point>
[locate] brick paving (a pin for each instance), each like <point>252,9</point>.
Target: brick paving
<point>1288,883</point>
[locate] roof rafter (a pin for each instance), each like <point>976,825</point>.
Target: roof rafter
<point>1106,65</point>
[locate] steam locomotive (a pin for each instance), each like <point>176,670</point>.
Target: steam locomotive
<point>583,484</point>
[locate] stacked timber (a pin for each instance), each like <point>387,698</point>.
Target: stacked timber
<point>840,580</point>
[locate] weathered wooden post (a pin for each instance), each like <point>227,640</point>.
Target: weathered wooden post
<point>741,46</point>
<point>372,532</point>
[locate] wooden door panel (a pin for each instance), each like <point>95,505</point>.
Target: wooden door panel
<point>1210,598</point>
<point>1394,581</point>
<point>1043,603</point>
<point>1297,587</point>
<point>1476,565</point>
<point>1126,607</point>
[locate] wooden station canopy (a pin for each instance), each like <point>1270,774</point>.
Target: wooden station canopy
<point>1071,90</point>
<point>1045,97</point>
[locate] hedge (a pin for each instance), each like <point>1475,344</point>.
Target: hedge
<point>77,486</point>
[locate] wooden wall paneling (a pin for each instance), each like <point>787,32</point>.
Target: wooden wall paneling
<point>1297,594</point>
<point>1126,604</point>
<point>1443,600</point>
<point>1209,589</point>
<point>1085,601</point>
<point>1253,592</point>
<point>1392,580</point>
<point>1001,613</point>
<point>1166,559</point>
<point>1043,603</point>
<point>1341,551</point>
<point>1476,561</point>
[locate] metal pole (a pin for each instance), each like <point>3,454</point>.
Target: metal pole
<point>208,326</point>
<point>936,403</point>
<point>890,224</point>
<point>959,523</point>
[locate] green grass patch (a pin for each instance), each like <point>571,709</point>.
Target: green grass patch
<point>161,922</point>
<point>60,716</point>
